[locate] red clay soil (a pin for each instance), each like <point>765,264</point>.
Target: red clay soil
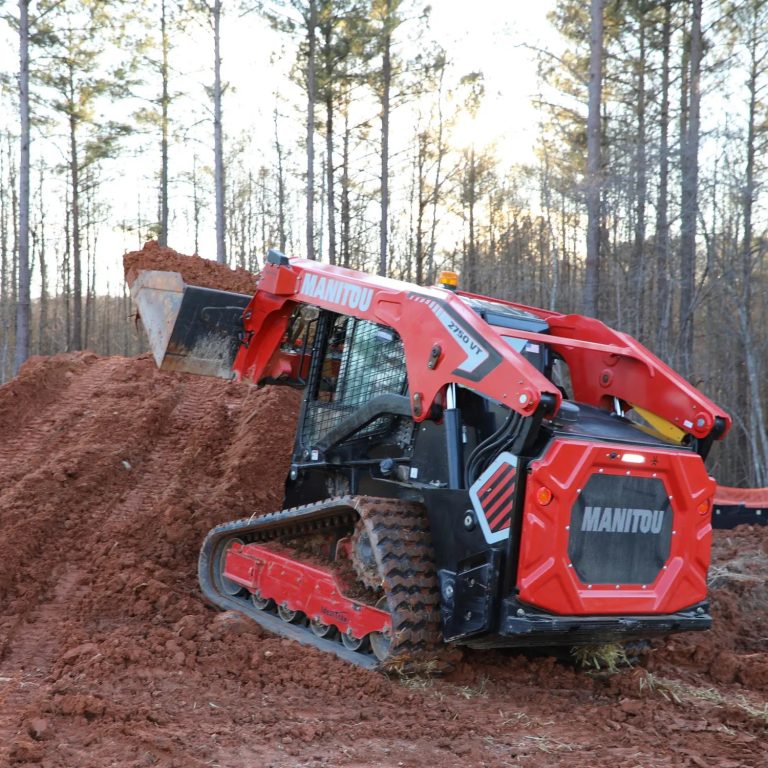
<point>111,473</point>
<point>194,269</point>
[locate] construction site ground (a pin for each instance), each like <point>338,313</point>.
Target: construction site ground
<point>111,472</point>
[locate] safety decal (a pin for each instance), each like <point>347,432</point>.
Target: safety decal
<point>493,495</point>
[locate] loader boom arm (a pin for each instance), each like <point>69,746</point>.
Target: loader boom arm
<point>446,342</point>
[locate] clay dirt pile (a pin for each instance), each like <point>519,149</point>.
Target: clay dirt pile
<point>111,472</point>
<point>194,269</point>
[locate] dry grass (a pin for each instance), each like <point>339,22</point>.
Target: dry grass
<point>520,720</point>
<point>545,744</point>
<point>473,691</point>
<point>731,573</point>
<point>415,681</point>
<point>682,693</point>
<point>607,657</point>
<point>407,669</point>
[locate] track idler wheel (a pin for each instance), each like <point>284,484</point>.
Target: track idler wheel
<point>352,643</point>
<point>228,586</point>
<point>381,642</point>
<point>289,616</point>
<point>262,603</point>
<point>322,630</point>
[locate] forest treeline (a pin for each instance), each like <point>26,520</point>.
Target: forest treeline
<point>644,204</point>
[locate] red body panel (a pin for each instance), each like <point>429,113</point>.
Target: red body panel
<point>603,363</point>
<point>546,578</point>
<point>302,587</point>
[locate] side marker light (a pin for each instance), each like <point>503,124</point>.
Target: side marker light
<point>543,496</point>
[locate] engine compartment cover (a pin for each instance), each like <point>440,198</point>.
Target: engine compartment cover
<point>614,530</point>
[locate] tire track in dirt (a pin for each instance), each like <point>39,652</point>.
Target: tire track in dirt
<point>45,435</point>
<point>25,666</point>
<point>155,468</point>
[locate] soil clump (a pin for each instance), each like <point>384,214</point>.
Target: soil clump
<point>194,269</point>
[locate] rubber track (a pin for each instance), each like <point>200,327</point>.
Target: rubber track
<point>402,547</point>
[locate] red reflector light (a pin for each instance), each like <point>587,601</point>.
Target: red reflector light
<point>543,496</point>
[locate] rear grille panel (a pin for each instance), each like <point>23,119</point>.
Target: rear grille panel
<point>620,530</point>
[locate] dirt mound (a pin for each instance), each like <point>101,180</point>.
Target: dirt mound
<point>736,649</point>
<point>110,474</point>
<point>194,270</point>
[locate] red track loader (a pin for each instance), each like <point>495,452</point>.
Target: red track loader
<point>465,471</point>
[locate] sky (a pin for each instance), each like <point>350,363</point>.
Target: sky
<point>496,37</point>
<point>492,36</point>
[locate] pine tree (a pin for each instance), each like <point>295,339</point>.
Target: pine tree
<point>84,62</point>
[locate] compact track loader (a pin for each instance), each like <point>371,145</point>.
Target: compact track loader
<point>465,471</point>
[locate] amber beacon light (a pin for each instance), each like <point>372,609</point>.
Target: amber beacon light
<point>449,280</point>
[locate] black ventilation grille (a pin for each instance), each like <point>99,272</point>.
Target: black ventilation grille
<point>621,529</point>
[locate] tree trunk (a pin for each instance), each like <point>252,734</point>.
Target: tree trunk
<point>752,399</point>
<point>320,243</point>
<point>66,271</point>
<point>664,298</point>
<point>5,322</point>
<point>593,180</point>
<point>311,87</point>
<point>438,179</point>
<point>281,226</point>
<point>421,201</point>
<point>196,205</point>
<point>386,85</point>
<point>164,103</point>
<point>546,199</point>
<point>637,273</point>
<point>76,340</point>
<point>749,191</point>
<point>23,300</point>
<point>44,341</point>
<point>346,222</point>
<point>758,436</point>
<point>471,264</point>
<point>329,174</point>
<point>689,163</point>
<point>218,138</point>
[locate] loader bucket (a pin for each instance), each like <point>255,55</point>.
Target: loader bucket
<point>190,329</point>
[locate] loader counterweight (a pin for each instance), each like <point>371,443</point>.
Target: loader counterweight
<point>616,537</point>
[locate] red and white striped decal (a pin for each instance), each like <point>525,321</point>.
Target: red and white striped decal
<point>493,495</point>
